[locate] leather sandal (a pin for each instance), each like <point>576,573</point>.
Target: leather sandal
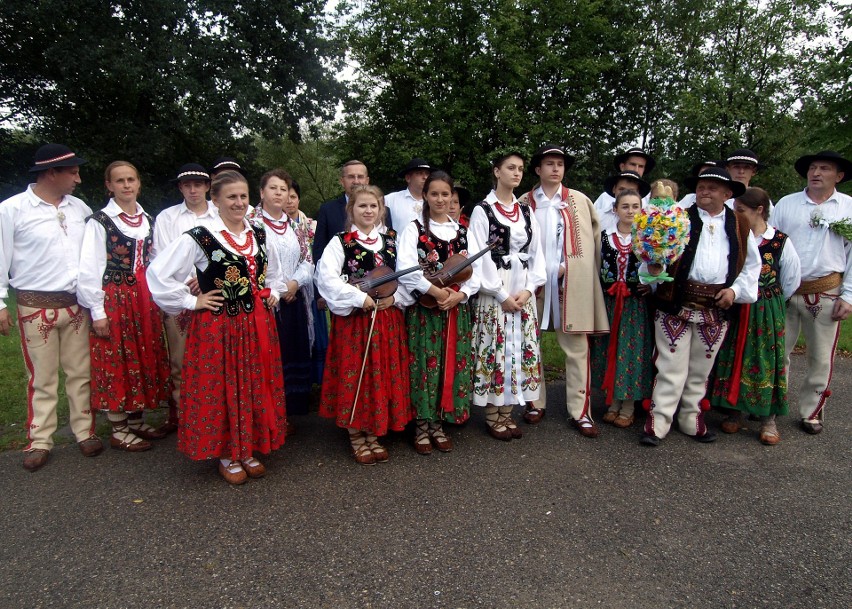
<point>91,447</point>
<point>533,415</point>
<point>496,426</point>
<point>35,459</point>
<point>123,438</point>
<point>140,428</point>
<point>732,423</point>
<point>422,443</point>
<point>622,421</point>
<point>360,450</point>
<point>253,467</point>
<point>610,416</point>
<point>233,473</point>
<point>441,441</point>
<point>380,453</point>
<point>769,433</point>
<point>586,427</point>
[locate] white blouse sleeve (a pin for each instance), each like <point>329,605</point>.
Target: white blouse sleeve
<point>407,258</point>
<point>471,286</point>
<point>791,269</point>
<point>274,275</point>
<point>536,273</point>
<point>745,285</point>
<point>341,297</point>
<point>168,272</point>
<point>90,292</point>
<point>490,282</point>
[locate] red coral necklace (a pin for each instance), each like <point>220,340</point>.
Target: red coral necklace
<point>278,230</point>
<point>243,249</point>
<point>511,216</point>
<point>133,221</point>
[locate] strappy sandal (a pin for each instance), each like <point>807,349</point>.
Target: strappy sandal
<point>360,450</point>
<point>142,429</point>
<point>253,467</point>
<point>496,426</point>
<point>379,452</point>
<point>233,472</point>
<point>123,438</point>
<point>422,443</point>
<point>441,441</point>
<point>623,421</point>
<point>610,416</point>
<point>509,422</point>
<point>769,434</point>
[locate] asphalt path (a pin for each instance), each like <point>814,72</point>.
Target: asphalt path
<point>551,520</point>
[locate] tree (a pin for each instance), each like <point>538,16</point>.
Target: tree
<point>165,82</point>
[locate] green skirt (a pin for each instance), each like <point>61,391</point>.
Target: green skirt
<point>430,371</point>
<point>634,364</point>
<point>763,380</point>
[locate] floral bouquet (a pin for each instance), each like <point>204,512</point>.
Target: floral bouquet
<point>660,234</point>
<point>841,227</point>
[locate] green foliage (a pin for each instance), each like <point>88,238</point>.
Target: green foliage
<point>164,82</point>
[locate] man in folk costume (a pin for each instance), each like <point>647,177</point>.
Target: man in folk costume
<point>824,298</point>
<point>689,199</point>
<point>571,301</point>
<point>719,267</point>
<point>634,159</point>
<point>193,181</point>
<point>41,234</point>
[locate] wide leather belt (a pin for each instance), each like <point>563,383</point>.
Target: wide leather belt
<point>821,285</point>
<point>700,295</point>
<point>45,300</point>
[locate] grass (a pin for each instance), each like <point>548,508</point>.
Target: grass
<point>13,380</point>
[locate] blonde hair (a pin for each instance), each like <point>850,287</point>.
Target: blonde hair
<point>223,178</point>
<point>367,189</point>
<point>116,165</point>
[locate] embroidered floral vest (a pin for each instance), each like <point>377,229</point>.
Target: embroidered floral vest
<point>498,230</point>
<point>609,266</point>
<point>121,251</point>
<point>433,252</point>
<point>769,284</point>
<point>230,272</point>
<point>358,260</point>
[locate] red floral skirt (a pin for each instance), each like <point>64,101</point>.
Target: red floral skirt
<point>130,369</point>
<point>383,401</point>
<point>232,398</point>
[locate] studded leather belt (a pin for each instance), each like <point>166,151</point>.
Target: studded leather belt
<point>821,285</point>
<point>45,300</point>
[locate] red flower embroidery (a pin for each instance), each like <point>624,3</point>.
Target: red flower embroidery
<point>432,363</point>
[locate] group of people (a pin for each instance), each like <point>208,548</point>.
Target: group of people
<point>220,309</point>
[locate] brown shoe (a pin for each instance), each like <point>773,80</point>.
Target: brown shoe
<point>610,416</point>
<point>441,441</point>
<point>169,427</point>
<point>623,422</point>
<point>533,415</point>
<point>253,468</point>
<point>732,423</point>
<point>91,447</point>
<point>35,459</point>
<point>586,427</point>
<point>146,432</point>
<point>497,425</point>
<point>769,437</point>
<point>361,450</point>
<point>812,426</point>
<point>233,473</point>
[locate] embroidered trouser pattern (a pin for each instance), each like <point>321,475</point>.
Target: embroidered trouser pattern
<point>50,338</point>
<point>687,345</point>
<point>810,314</point>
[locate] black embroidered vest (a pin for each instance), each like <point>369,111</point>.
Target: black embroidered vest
<point>498,230</point>
<point>609,266</point>
<point>229,272</point>
<point>669,295</point>
<point>358,260</point>
<point>426,244</point>
<point>121,251</point>
<point>769,283</point>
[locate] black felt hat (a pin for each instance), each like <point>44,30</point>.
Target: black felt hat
<point>463,193</point>
<point>54,155</point>
<point>414,165</point>
<point>650,163</point>
<point>191,171</point>
<point>225,163</point>
<point>843,165</point>
<point>720,175</point>
<point>696,169</point>
<point>744,155</point>
<point>641,185</point>
<point>548,149</point>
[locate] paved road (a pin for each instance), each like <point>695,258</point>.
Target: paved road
<point>552,520</point>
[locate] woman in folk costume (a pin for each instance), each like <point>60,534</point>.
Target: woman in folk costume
<point>506,341</point>
<point>622,362</point>
<point>130,368</point>
<point>318,328</point>
<point>751,375</point>
<point>232,403</point>
<point>439,336</point>
<point>571,302</point>
<point>293,313</point>
<point>365,386</point>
